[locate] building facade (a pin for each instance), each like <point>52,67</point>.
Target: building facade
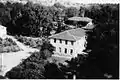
<point>3,31</point>
<point>69,43</point>
<point>78,22</point>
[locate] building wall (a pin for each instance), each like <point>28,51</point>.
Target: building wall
<point>62,45</point>
<point>80,45</point>
<point>3,31</point>
<point>77,47</point>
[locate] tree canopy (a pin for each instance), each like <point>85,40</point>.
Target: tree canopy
<point>102,44</point>
<point>36,20</point>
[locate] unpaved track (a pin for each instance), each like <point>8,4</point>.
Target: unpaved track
<point>10,60</point>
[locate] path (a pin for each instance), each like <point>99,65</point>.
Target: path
<point>10,60</point>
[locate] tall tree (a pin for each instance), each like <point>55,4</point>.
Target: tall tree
<point>46,50</point>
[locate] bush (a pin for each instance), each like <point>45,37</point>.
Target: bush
<point>32,42</point>
<point>2,77</point>
<point>8,45</point>
<point>34,66</point>
<point>30,68</point>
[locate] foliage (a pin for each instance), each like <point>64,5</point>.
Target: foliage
<point>71,11</point>
<point>105,37</point>
<point>46,50</point>
<point>103,13</point>
<point>73,66</point>
<point>2,77</point>
<point>105,48</point>
<point>29,41</point>
<point>32,19</point>
<point>58,5</point>
<point>103,40</point>
<point>102,46</point>
<point>52,71</point>
<point>34,66</point>
<point>30,68</point>
<point>8,45</point>
<point>4,14</point>
<point>28,19</point>
<point>36,20</point>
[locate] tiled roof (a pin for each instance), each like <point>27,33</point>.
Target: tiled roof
<point>86,19</point>
<point>72,35</point>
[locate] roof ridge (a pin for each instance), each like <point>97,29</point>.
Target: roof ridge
<point>71,35</point>
<point>56,34</point>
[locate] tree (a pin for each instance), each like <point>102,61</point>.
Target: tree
<point>103,13</point>
<point>28,19</point>
<point>58,5</point>
<point>2,77</point>
<point>4,14</point>
<point>104,51</point>
<point>46,50</point>
<point>71,11</point>
<point>103,40</point>
<point>52,71</point>
<point>30,68</point>
<point>73,66</point>
<point>102,48</point>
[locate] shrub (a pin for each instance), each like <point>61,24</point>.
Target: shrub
<point>32,42</point>
<point>2,77</point>
<point>30,68</point>
<point>8,45</point>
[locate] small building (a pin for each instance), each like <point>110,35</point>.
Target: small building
<point>69,43</point>
<point>89,26</point>
<point>3,31</point>
<point>78,21</point>
<point>84,19</point>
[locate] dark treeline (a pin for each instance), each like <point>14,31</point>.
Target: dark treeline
<point>102,47</point>
<point>32,19</point>
<point>36,20</point>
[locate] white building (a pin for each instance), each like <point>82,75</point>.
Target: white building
<point>69,43</point>
<point>78,22</point>
<point>3,31</point>
<point>89,26</point>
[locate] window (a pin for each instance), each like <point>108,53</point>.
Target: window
<point>85,37</point>
<point>85,45</point>
<point>60,49</point>
<point>71,51</point>
<point>60,41</point>
<point>54,40</point>
<point>66,42</point>
<point>65,50</point>
<point>72,42</point>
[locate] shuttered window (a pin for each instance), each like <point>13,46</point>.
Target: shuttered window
<point>71,51</point>
<point>54,40</point>
<point>65,50</point>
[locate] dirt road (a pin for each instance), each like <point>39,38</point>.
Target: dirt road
<point>10,60</point>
